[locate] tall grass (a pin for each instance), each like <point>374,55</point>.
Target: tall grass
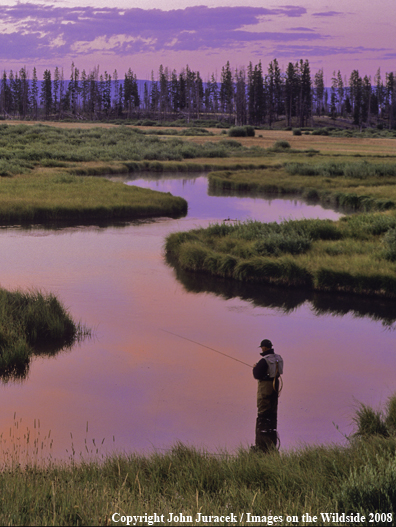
<point>32,322</point>
<point>356,170</point>
<point>357,187</point>
<point>346,256</point>
<point>22,147</point>
<point>38,199</point>
<point>358,477</point>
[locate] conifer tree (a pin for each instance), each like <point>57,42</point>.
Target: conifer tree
<point>46,93</point>
<point>240,97</point>
<point>227,91</point>
<point>319,91</point>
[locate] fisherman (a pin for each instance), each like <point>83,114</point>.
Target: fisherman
<point>267,372</point>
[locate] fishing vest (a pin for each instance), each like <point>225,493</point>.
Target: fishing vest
<point>274,364</point>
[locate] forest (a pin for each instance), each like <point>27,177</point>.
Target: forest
<point>247,95</point>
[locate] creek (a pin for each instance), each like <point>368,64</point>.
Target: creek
<point>135,387</point>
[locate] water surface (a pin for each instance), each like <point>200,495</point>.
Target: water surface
<point>140,388</point>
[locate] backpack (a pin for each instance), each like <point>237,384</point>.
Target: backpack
<point>275,365</point>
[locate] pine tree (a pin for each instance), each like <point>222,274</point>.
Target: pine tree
<point>355,91</point>
<point>390,98</point>
<point>380,93</point>
<point>340,91</point>
<point>227,91</point>
<point>256,95</point>
<point>333,96</point>
<point>84,91</point>
<point>56,86</point>
<point>291,92</point>
<point>46,93</point>
<point>240,97</point>
<point>25,92</point>
<point>366,100</point>
<point>319,91</point>
<point>174,92</point>
<point>6,97</point>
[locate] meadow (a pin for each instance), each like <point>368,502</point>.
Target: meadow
<point>48,173</point>
<point>357,254</point>
<point>357,478</point>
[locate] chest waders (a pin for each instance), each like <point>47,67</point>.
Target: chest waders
<point>267,404</point>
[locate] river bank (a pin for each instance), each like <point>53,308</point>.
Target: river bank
<point>187,485</point>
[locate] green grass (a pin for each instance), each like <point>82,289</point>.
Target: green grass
<point>351,255</point>
<point>358,185</point>
<point>22,147</point>
<point>359,477</point>
<point>32,323</point>
<point>37,162</point>
<point>26,199</point>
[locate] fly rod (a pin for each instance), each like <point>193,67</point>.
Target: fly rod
<point>203,345</point>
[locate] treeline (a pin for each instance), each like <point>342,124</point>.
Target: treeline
<point>241,96</point>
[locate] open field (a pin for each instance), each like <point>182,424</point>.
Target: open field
<point>358,478</point>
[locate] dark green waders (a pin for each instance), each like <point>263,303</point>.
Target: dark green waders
<point>267,417</point>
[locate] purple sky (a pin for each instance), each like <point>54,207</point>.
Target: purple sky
<point>333,34</point>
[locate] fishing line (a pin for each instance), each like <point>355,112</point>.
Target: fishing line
<point>203,345</point>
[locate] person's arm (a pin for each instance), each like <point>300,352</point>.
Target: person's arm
<point>260,369</point>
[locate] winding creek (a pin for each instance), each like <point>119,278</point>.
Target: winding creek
<point>135,387</point>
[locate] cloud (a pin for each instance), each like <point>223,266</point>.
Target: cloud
<point>328,13</point>
<point>38,31</point>
<point>323,51</point>
<point>300,29</point>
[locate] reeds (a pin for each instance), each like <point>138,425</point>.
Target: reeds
<point>351,255</point>
<point>31,322</point>
<point>357,477</point>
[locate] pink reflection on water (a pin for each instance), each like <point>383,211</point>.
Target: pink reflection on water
<point>149,388</point>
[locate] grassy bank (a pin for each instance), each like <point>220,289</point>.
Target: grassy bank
<point>356,478</point>
<point>357,254</point>
<point>24,147</point>
<point>32,323</point>
<point>355,184</point>
<point>38,164</point>
<point>27,199</point>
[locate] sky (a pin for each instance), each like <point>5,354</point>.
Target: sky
<point>142,35</point>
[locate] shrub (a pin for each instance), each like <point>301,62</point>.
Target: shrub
<point>297,131</point>
<point>237,131</point>
<point>390,245</point>
<point>281,145</point>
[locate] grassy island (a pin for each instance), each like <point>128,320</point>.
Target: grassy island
<point>51,198</point>
<point>358,478</point>
<point>356,254</point>
<point>32,323</point>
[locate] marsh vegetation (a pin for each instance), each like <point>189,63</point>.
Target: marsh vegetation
<point>32,323</point>
<point>358,477</point>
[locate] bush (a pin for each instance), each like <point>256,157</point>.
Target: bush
<point>390,245</point>
<point>297,131</point>
<point>237,131</point>
<point>281,145</point>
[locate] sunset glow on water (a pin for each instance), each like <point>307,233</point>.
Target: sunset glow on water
<point>149,388</point>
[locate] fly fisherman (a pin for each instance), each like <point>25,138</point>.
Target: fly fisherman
<point>267,372</point>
